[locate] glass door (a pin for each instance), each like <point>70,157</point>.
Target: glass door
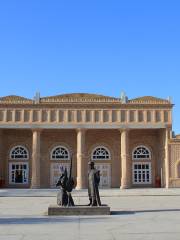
<point>141,173</point>
<point>18,173</point>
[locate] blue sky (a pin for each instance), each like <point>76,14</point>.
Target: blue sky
<point>61,46</point>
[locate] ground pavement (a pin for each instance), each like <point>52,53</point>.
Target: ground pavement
<point>136,214</point>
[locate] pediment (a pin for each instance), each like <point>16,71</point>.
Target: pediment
<point>149,99</point>
<point>77,97</point>
<point>14,99</point>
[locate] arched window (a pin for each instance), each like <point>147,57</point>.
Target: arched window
<point>141,153</point>
<point>60,153</point>
<point>100,153</point>
<point>19,153</point>
<point>141,171</point>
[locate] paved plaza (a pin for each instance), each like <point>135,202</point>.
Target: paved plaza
<point>136,214</point>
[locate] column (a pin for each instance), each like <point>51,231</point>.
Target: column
<point>35,181</point>
<point>81,160</point>
<point>166,159</point>
<point>125,160</point>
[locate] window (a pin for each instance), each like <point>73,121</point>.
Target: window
<point>60,153</point>
<point>19,153</point>
<point>100,153</point>
<point>141,152</point>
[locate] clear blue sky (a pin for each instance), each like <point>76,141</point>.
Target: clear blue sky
<point>95,46</point>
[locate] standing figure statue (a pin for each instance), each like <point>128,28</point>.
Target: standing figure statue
<point>93,185</point>
<point>66,184</point>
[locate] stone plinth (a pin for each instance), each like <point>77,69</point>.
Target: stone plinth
<point>78,210</point>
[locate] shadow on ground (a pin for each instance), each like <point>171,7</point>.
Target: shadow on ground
<point>74,219</point>
<point>143,211</point>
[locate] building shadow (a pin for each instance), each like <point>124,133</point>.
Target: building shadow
<point>49,220</point>
<point>74,219</point>
<point>143,211</point>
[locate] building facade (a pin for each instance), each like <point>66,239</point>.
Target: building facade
<point>130,141</point>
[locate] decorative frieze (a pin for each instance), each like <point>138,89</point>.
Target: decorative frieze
<point>94,116</point>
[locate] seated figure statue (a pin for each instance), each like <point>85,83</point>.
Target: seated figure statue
<point>66,185</point>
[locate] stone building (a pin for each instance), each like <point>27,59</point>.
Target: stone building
<point>130,141</point>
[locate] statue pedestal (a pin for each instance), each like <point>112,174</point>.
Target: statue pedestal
<point>78,210</point>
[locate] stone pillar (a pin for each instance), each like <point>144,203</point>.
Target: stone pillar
<point>81,160</point>
<point>35,181</point>
<point>166,159</point>
<point>125,160</point>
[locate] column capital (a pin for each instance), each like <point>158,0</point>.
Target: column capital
<point>37,130</point>
<point>121,130</point>
<point>81,130</point>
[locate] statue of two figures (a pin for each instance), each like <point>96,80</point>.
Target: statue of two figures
<point>67,183</point>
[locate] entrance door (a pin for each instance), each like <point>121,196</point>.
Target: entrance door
<point>18,173</point>
<point>105,173</point>
<point>141,173</point>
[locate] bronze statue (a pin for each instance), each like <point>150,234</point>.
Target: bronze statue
<point>66,184</point>
<point>93,185</point>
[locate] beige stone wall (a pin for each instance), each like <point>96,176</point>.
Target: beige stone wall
<point>174,154</point>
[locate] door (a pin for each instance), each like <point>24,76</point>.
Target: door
<point>18,173</point>
<point>105,173</point>
<point>142,173</point>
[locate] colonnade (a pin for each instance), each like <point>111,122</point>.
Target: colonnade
<point>125,181</point>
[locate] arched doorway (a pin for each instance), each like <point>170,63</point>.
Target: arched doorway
<point>141,166</point>
<point>101,156</point>
<point>60,159</point>
<point>19,165</point>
